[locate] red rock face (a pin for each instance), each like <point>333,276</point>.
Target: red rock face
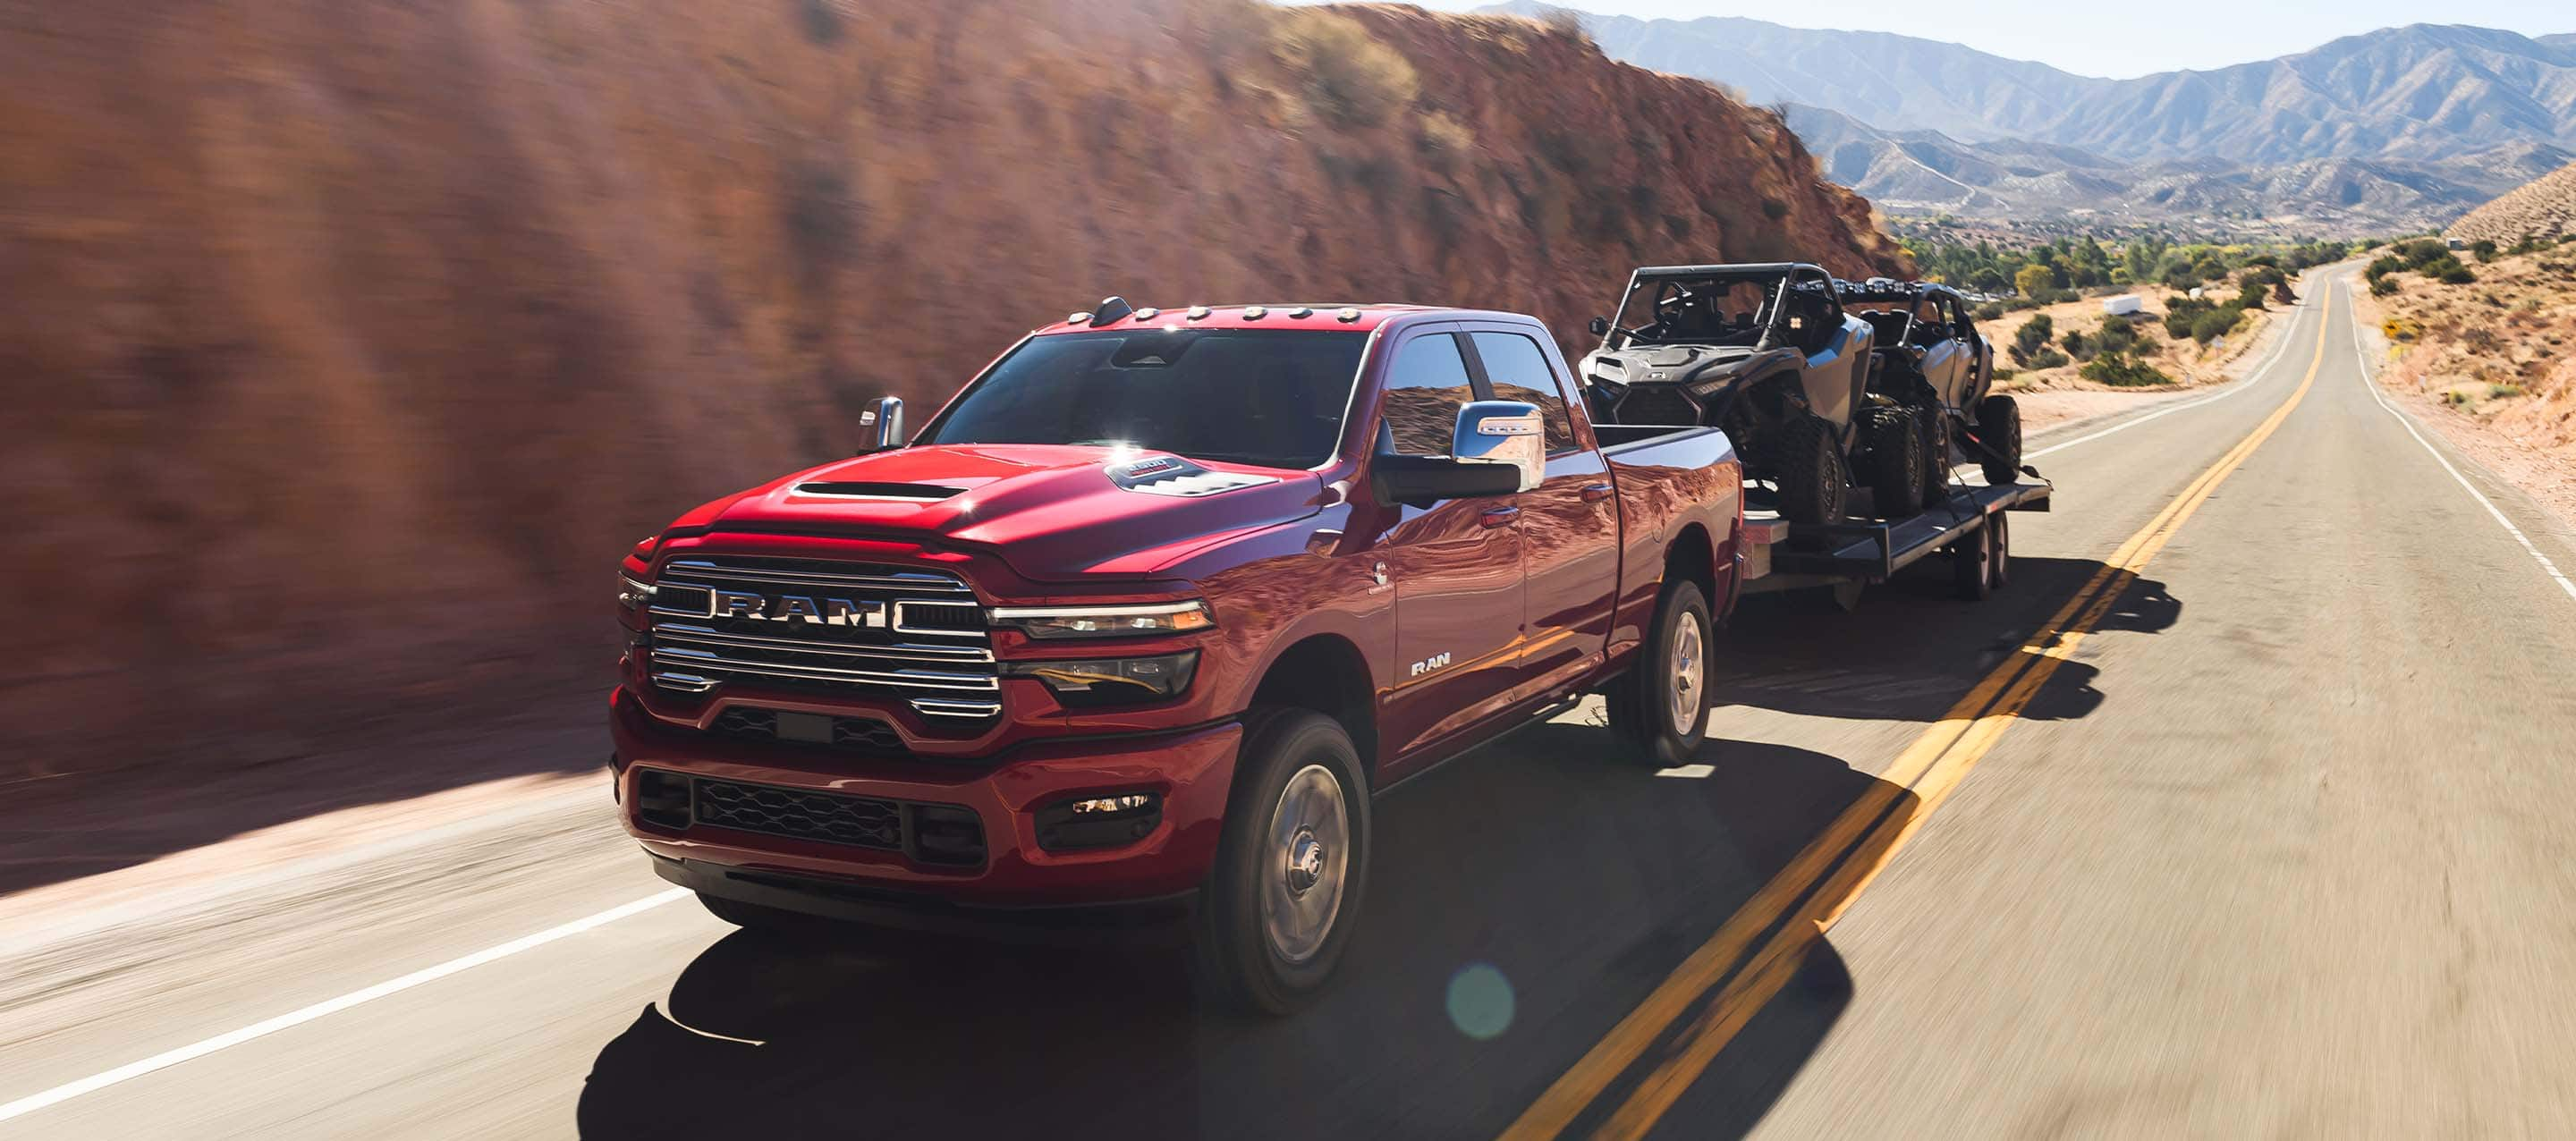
<point>349,345</point>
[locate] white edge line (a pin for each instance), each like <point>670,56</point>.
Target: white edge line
<point>2252,377</point>
<point>2361,358</point>
<point>166,1059</point>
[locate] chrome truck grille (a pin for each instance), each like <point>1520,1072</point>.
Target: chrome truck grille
<point>828,626</point>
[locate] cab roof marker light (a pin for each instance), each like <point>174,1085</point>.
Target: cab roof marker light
<point>1301,311</point>
<point>1254,312</point>
<point>1147,313</point>
<point>1076,318</point>
<point>1198,312</point>
<point>1347,314</point>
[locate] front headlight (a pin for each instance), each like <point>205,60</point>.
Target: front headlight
<point>1111,681</point>
<point>1104,621</point>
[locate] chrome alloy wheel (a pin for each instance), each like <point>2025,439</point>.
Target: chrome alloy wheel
<point>1689,667</point>
<point>1301,889</point>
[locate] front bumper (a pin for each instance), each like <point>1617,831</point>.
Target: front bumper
<point>1191,770</point>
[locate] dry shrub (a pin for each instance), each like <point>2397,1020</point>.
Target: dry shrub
<point>1443,140</point>
<point>1349,77</point>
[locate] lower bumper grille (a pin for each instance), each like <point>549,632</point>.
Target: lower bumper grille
<point>945,834</point>
<point>863,735</point>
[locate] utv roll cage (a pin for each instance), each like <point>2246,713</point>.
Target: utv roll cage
<point>1910,294</point>
<point>1686,305</point>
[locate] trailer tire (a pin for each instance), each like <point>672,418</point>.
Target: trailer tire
<point>1972,564</point>
<point>1812,486</point>
<point>1999,551</point>
<point>1999,429</point>
<point>1667,685</point>
<point>1296,823</point>
<point>1895,445</point>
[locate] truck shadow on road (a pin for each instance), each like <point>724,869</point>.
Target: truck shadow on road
<point>1521,902</point>
<point>1912,648</point>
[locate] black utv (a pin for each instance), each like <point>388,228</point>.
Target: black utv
<point>1766,353</point>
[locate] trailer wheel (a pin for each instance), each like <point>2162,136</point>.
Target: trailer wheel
<point>1999,551</point>
<point>1280,904</point>
<point>1895,444</point>
<point>1659,708</point>
<point>1972,563</point>
<point>1811,480</point>
<point>1999,428</point>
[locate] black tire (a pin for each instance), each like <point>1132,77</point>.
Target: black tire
<point>1999,427</point>
<point>1642,701</point>
<point>1894,443</point>
<point>757,917</point>
<point>1811,471</point>
<point>1972,565</point>
<point>1936,454</point>
<point>1999,551</point>
<point>1238,963</point>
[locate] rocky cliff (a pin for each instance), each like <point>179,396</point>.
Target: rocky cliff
<point>349,343</point>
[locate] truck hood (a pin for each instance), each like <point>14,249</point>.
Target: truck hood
<point>1051,512</point>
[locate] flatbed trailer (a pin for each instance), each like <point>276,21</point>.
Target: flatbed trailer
<point>1838,559</point>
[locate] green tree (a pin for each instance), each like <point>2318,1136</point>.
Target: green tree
<point>2036,280</point>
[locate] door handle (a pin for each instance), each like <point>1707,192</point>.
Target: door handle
<point>1597,492</point>
<point>1498,516</point>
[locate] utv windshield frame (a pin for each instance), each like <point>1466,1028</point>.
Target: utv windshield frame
<point>1679,282</point>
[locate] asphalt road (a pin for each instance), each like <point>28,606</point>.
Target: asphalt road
<point>2237,814</point>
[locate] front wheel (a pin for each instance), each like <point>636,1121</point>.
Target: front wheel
<point>1659,708</point>
<point>1896,470</point>
<point>1811,479</point>
<point>1281,902</point>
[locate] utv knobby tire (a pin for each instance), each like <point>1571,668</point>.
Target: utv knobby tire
<point>1235,962</point>
<point>1893,443</point>
<point>1999,428</point>
<point>1641,701</point>
<point>1936,454</point>
<point>1811,471</point>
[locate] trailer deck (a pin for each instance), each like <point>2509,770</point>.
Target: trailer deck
<point>1845,556</point>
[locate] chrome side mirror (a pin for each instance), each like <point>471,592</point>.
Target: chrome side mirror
<point>1502,432</point>
<point>885,417</point>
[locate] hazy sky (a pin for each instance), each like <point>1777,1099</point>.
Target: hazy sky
<point>2112,39</point>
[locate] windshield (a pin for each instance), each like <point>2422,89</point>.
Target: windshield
<point>1267,397</point>
<point>1698,311</point>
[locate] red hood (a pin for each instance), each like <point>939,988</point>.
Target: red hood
<point>1050,511</point>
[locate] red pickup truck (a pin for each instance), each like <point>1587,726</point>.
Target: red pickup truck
<point>1142,619</point>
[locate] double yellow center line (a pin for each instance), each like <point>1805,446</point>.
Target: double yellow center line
<point>1753,954</point>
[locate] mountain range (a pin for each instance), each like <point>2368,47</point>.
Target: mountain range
<point>2403,126</point>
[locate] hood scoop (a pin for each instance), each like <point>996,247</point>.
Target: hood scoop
<point>1174,476</point>
<point>909,492</point>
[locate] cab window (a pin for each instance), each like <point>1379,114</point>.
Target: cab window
<point>1518,370</point>
<point>1425,387</point>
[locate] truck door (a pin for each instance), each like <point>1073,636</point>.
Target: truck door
<point>1569,523</point>
<point>1455,565</point>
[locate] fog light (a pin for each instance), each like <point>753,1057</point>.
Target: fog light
<point>1099,821</point>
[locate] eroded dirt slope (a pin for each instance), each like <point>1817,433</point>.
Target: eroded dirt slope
<point>349,344</point>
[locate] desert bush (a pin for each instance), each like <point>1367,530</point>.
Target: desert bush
<point>2047,358</point>
<point>2181,311</point>
<point>1443,140</point>
<point>2035,280</point>
<point>2077,345</point>
<point>2216,323</point>
<point>1349,76</point>
<point>2032,337</point>
<point>1990,311</point>
<point>2120,370</point>
<point>2480,339</point>
<point>2382,286</point>
<point>2503,391</point>
<point>2485,248</point>
<point>2458,274</point>
<point>2118,335</point>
